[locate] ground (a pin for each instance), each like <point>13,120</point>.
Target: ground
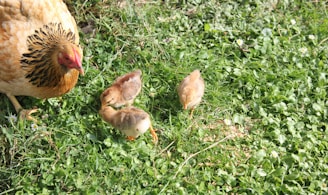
<point>260,129</point>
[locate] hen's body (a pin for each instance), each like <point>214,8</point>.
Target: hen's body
<point>39,49</point>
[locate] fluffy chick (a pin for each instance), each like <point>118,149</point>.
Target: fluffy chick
<point>131,121</point>
<point>191,90</point>
<point>124,90</point>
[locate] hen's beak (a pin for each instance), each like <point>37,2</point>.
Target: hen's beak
<point>78,62</point>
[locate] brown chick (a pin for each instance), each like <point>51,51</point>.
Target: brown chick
<point>40,55</point>
<point>131,121</point>
<point>124,90</point>
<point>191,91</point>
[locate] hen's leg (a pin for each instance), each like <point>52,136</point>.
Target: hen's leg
<point>153,133</point>
<point>23,114</point>
<point>191,113</point>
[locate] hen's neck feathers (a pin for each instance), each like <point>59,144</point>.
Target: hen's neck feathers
<point>40,62</point>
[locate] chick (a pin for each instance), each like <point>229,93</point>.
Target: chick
<point>191,91</point>
<point>124,90</point>
<point>131,121</point>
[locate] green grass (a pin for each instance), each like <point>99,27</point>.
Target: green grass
<point>260,129</point>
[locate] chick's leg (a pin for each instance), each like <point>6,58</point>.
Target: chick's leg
<point>153,133</point>
<point>23,114</point>
<point>185,107</point>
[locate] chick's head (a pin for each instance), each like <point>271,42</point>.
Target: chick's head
<point>110,96</point>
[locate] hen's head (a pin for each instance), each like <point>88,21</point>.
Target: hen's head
<point>70,56</point>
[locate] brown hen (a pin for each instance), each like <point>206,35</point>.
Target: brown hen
<point>40,54</point>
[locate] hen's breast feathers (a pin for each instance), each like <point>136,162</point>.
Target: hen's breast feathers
<point>24,24</point>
